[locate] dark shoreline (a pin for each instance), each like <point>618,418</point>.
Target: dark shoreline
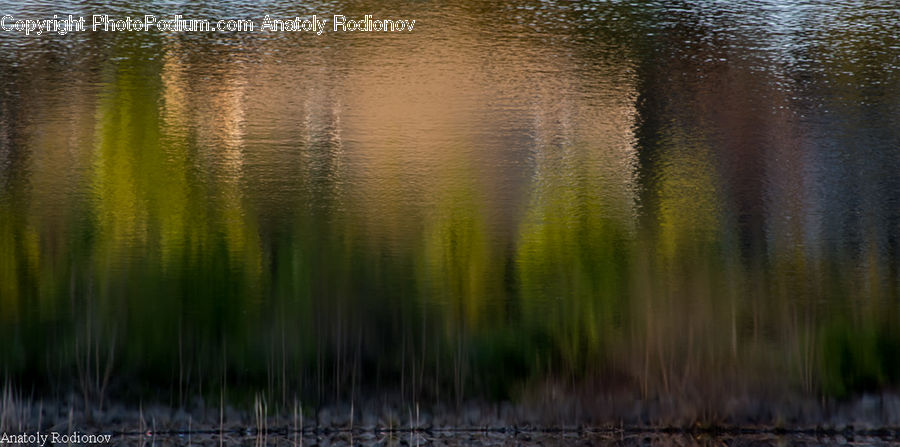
<point>869,415</point>
<point>517,435</point>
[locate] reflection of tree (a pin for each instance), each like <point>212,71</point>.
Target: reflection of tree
<point>573,252</point>
<point>166,239</point>
<point>800,189</point>
<point>459,266</point>
<point>11,265</point>
<point>688,200</point>
<point>127,172</point>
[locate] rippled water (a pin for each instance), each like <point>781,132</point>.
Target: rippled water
<point>668,198</point>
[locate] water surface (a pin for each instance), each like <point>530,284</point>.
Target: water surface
<point>669,199</point>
